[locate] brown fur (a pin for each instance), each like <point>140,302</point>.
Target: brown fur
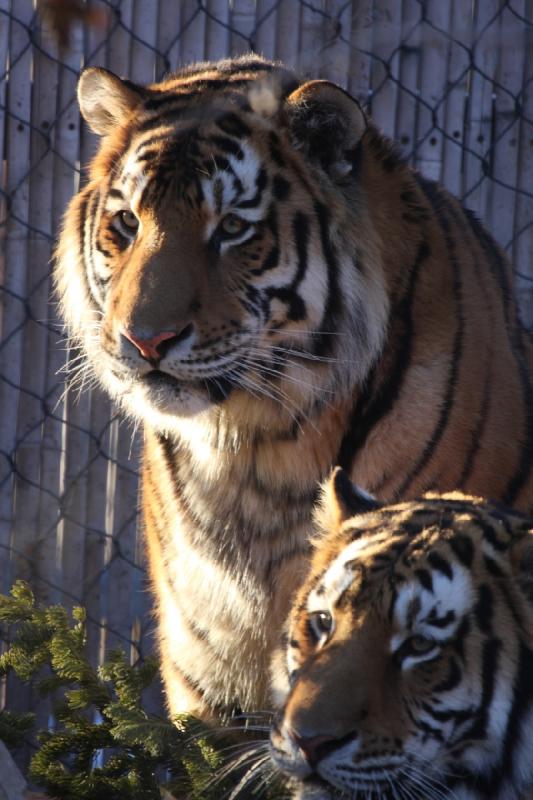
<point>414,373</point>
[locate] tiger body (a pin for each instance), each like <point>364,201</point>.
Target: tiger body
<point>254,274</point>
<point>410,653</point>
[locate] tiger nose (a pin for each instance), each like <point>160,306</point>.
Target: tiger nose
<point>315,748</point>
<point>153,348</point>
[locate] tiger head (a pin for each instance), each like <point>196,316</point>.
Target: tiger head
<point>409,659</point>
<point>203,263</point>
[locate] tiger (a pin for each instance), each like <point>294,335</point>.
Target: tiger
<point>406,670</point>
<point>257,277</point>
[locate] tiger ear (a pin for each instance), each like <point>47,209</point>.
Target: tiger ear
<point>105,99</point>
<point>341,499</point>
<point>327,124</point>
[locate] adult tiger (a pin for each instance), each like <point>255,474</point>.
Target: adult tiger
<point>410,653</point>
<point>254,273</point>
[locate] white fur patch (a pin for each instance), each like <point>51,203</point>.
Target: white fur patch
<point>264,98</point>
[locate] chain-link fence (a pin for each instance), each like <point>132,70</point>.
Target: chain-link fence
<point>451,80</point>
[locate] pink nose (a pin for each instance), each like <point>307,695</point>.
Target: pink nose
<point>149,348</point>
<point>315,747</point>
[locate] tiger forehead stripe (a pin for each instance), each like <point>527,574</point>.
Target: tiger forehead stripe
<point>241,184</point>
<point>434,610</point>
<point>338,576</point>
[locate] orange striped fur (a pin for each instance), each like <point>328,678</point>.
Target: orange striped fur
<point>406,670</point>
<point>255,275</point>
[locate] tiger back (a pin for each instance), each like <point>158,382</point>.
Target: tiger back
<point>407,669</point>
<point>254,274</point>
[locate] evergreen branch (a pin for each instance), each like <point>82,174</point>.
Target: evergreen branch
<point>105,745</point>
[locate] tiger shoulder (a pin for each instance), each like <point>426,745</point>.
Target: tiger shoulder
<point>407,664</point>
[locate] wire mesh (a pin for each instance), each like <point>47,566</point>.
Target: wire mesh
<point>451,81</point>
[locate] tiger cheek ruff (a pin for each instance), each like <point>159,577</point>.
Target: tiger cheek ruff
<point>254,274</point>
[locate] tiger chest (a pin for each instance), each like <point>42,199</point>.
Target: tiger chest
<point>223,571</point>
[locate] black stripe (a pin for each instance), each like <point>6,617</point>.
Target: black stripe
<point>437,200</point>
<point>91,227</point>
<point>440,622</point>
<point>489,533</point>
<point>440,564</point>
<point>424,576</point>
<point>233,125</point>
<point>275,149</point>
<point>500,271</point>
<point>261,183</point>
<point>227,145</point>
<point>521,704</point>
<point>489,674</point>
<point>82,221</point>
<point>463,220</point>
<point>323,344</point>
<point>484,609</point>
<point>281,188</point>
<point>190,682</point>
<point>479,431</point>
<point>371,405</point>
<point>289,294</point>
<point>185,91</point>
<point>463,548</point>
<point>452,679</point>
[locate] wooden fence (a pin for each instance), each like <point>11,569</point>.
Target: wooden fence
<point>451,80</point>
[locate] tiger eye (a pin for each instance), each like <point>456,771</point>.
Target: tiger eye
<point>420,644</point>
<point>321,623</point>
<point>129,220</point>
<point>233,225</point>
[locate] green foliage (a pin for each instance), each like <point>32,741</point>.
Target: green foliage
<point>105,746</point>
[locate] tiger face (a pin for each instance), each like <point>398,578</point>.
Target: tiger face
<point>409,656</point>
<point>206,272</point>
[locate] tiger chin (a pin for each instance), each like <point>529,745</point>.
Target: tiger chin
<point>408,666</point>
<point>253,273</point>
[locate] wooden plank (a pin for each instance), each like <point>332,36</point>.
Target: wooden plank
<point>12,784</point>
<point>170,16</point>
<point>288,42</point>
<point>118,47</point>
<point>409,90</point>
<point>4,67</point>
<point>310,56</point>
<point>360,51</point>
<point>142,43</point>
<point>476,162</point>
<point>192,32</point>
<point>455,105</point>
<point>242,24</point>
<point>120,573</point>
<point>522,244</point>
<point>336,63</point>
<point>74,435</point>
<point>35,334</point>
<point>29,538</point>
<point>217,30</point>
<point>17,561</point>
<point>115,55</point>
<point>506,122</point>
<point>386,63</point>
<point>17,155</point>
<point>266,28</point>
<point>433,87</point>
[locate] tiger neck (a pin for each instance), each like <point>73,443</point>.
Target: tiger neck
<point>268,465</point>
